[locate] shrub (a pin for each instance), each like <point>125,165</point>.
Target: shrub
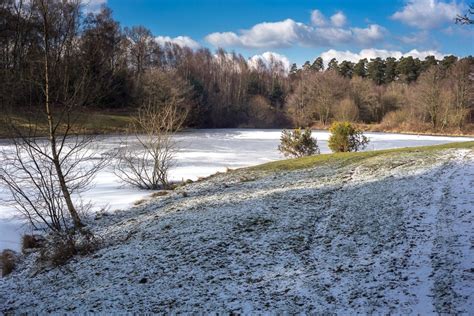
<point>298,143</point>
<point>394,119</point>
<point>7,261</point>
<point>31,242</point>
<point>346,110</point>
<point>345,137</point>
<point>62,247</point>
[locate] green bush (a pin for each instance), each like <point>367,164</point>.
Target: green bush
<point>345,137</point>
<point>298,143</point>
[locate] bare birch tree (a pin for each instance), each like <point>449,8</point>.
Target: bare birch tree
<point>44,173</point>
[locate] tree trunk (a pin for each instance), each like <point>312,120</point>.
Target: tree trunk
<point>51,128</point>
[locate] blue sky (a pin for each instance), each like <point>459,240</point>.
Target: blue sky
<point>302,30</point>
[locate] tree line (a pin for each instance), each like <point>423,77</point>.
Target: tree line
<point>114,67</point>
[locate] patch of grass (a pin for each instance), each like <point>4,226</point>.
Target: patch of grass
<point>247,179</point>
<point>345,159</point>
<point>89,122</point>
<point>159,193</point>
<point>7,262</point>
<point>139,202</point>
<point>103,123</point>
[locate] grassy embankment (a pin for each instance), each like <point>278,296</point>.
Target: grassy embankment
<point>116,122</point>
<point>93,122</point>
<point>420,129</point>
<point>344,159</point>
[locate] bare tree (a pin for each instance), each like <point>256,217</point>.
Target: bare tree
<point>145,158</point>
<point>466,18</point>
<point>43,174</point>
<point>428,95</point>
<point>317,95</point>
<point>299,102</point>
<point>461,92</point>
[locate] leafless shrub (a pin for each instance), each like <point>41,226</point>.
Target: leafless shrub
<point>8,260</point>
<point>395,119</point>
<point>145,158</point>
<point>29,242</point>
<point>43,178</point>
<point>346,110</point>
<point>147,165</point>
<point>60,248</point>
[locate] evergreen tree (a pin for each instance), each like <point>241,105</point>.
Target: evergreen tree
<point>390,70</point>
<point>277,96</point>
<point>448,61</point>
<point>408,69</point>
<point>293,69</point>
<point>333,65</point>
<point>376,70</point>
<point>318,64</point>
<point>306,66</point>
<point>428,62</point>
<point>346,69</point>
<point>360,68</point>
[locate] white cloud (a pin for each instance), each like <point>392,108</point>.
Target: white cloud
<point>374,53</point>
<point>268,58</point>
<point>338,19</point>
<point>183,41</point>
<point>416,38</point>
<point>224,39</point>
<point>317,18</point>
<point>288,33</point>
<point>368,35</point>
<point>266,34</point>
<point>427,14</point>
<point>93,6</point>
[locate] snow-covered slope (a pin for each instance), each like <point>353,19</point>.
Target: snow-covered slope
<point>391,234</point>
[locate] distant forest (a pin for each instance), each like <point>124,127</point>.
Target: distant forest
<point>114,67</point>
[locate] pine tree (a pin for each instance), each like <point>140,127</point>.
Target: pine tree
<point>346,69</point>
<point>333,65</point>
<point>428,62</point>
<point>376,70</point>
<point>306,66</point>
<point>360,68</point>
<point>318,64</point>
<point>408,68</point>
<point>390,70</point>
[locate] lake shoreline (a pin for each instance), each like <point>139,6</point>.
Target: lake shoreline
<point>115,123</point>
<point>374,234</point>
<point>203,153</point>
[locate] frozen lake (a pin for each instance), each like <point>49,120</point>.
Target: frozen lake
<point>202,153</point>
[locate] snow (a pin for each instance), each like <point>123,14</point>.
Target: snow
<point>390,235</point>
<point>203,152</point>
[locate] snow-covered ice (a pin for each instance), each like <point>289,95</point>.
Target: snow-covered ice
<point>389,235</point>
<point>203,152</point>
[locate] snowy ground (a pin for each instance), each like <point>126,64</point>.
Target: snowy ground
<point>388,235</point>
<point>203,152</point>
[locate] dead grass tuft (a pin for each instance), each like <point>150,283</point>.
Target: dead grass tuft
<point>61,248</point>
<point>159,193</point>
<point>29,242</point>
<point>8,261</point>
<point>139,202</point>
